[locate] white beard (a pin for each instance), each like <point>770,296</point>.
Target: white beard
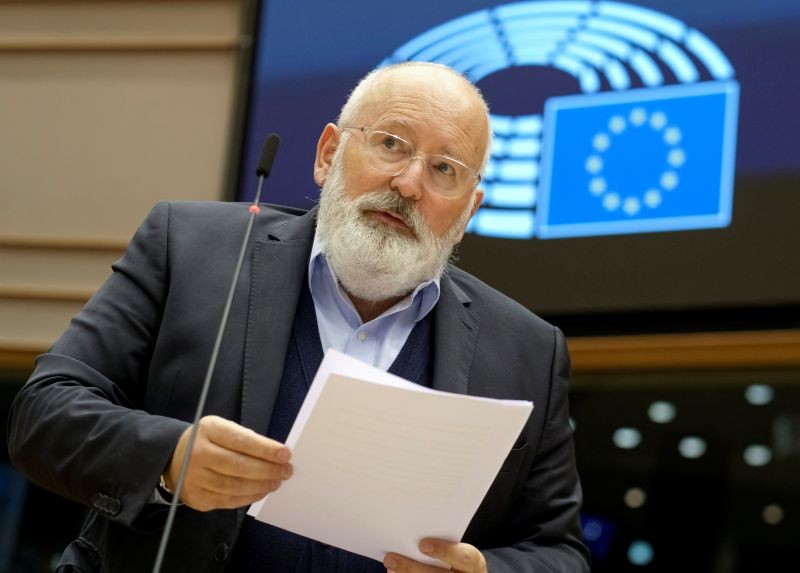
<point>372,260</point>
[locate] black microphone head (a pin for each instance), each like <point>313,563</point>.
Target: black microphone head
<point>268,155</point>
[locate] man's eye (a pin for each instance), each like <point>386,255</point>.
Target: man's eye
<point>390,143</point>
<point>444,168</point>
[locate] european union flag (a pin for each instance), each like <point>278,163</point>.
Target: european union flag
<point>654,159</point>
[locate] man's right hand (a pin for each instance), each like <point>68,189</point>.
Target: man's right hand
<point>231,466</point>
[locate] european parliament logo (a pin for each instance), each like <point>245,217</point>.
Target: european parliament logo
<point>647,146</point>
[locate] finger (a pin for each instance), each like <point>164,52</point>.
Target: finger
<point>231,485</point>
<point>400,564</point>
<point>460,556</point>
<point>232,463</point>
<point>232,436</point>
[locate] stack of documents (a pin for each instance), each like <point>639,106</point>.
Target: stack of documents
<point>380,462</point>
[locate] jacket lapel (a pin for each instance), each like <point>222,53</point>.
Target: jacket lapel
<point>279,265</point>
<point>455,338</point>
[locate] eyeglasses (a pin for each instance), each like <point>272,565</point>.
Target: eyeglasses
<point>391,154</point>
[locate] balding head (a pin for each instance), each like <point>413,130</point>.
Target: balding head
<point>441,90</point>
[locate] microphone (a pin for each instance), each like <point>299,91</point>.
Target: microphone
<point>268,152</point>
<point>262,171</point>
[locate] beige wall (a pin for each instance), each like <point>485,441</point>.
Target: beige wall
<point>105,108</point>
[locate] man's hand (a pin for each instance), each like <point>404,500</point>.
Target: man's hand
<point>231,466</point>
<point>461,557</point>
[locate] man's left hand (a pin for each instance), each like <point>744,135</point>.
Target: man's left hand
<point>461,557</point>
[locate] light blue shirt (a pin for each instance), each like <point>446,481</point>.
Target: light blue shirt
<point>377,342</point>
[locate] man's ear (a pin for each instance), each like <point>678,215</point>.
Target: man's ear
<point>326,147</point>
<point>476,201</point>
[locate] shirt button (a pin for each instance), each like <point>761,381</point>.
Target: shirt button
<point>362,336</point>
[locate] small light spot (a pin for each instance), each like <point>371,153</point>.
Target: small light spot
<point>640,553</point>
<point>627,438</point>
<point>597,185</point>
<point>631,206</point>
<point>611,201</point>
<point>757,455</point>
<point>601,142</point>
<point>759,394</point>
<point>772,514</point>
<point>635,497</point>
<point>652,198</point>
<point>592,530</point>
<point>594,164</point>
<point>669,180</point>
<point>672,135</point>
<point>638,116</point>
<point>658,120</point>
<point>617,124</point>
<point>692,447</point>
<point>362,336</point>
<point>676,157</point>
<point>572,423</point>
<point>661,412</point>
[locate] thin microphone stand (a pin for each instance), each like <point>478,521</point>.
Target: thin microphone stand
<point>264,167</point>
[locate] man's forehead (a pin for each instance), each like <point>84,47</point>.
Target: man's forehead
<point>451,108</point>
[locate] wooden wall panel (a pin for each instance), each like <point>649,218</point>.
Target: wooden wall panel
<point>106,107</point>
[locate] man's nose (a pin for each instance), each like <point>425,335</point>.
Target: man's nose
<point>409,181</point>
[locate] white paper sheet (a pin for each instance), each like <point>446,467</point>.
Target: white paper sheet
<point>380,462</point>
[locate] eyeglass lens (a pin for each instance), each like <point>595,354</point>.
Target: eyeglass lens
<point>391,154</point>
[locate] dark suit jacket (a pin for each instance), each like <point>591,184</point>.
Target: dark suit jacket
<point>100,416</point>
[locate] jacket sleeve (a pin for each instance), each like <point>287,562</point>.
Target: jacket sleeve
<point>77,427</point>
<point>547,515</point>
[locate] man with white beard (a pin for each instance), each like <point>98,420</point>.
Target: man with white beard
<point>102,419</point>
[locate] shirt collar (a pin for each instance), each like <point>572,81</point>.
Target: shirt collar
<point>320,274</point>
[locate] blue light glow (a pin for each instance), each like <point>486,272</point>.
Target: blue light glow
<point>517,169</point>
<point>757,455</point>
<point>513,196</point>
<point>627,438</point>
<point>617,75</point>
<point>503,223</point>
<point>680,64</point>
<point>529,124</point>
<point>692,447</point>
<point>647,69</point>
<point>709,54</point>
<point>633,34</point>
<point>667,25</point>
<point>640,553</point>
<point>759,394</point>
<point>616,47</point>
<point>661,412</point>
<point>409,50</point>
<point>589,54</point>
<point>568,64</point>
<point>517,9</point>
<point>524,147</point>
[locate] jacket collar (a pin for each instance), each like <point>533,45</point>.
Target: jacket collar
<point>279,259</point>
<point>456,327</point>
